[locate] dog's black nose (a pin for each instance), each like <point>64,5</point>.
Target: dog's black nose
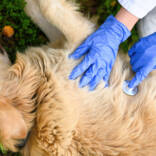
<point>22,142</point>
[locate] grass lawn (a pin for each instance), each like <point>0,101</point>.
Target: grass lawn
<point>24,33</point>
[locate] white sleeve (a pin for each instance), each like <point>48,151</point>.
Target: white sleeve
<point>147,25</point>
<point>139,8</point>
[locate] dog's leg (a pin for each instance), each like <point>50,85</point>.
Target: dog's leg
<point>64,16</point>
<point>32,9</point>
<point>57,117</point>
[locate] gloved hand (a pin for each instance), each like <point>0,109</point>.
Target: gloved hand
<point>142,59</point>
<point>99,51</point>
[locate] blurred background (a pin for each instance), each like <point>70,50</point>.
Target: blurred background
<point>17,31</point>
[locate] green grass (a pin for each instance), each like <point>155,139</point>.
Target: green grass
<point>4,152</point>
<point>2,149</point>
<point>26,33</point>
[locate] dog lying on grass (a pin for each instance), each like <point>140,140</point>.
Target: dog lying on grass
<point>42,113</point>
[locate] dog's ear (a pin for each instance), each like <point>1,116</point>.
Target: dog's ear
<point>12,124</point>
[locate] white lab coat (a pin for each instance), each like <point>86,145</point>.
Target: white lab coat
<point>146,11</point>
<point>147,25</point>
<point>139,8</point>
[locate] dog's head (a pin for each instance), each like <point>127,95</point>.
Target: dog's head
<point>13,128</point>
<point>18,105</point>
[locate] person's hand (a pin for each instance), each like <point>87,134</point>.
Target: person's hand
<point>99,51</point>
<point>142,59</point>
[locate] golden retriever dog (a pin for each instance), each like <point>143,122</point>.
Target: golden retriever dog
<point>43,113</point>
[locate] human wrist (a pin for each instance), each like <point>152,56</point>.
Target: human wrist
<point>115,28</point>
<point>126,18</point>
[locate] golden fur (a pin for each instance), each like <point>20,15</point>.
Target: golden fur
<point>64,120</point>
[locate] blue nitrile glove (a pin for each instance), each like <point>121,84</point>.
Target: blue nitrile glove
<point>99,51</point>
<point>142,59</point>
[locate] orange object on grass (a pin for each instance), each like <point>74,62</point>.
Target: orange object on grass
<point>8,31</point>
